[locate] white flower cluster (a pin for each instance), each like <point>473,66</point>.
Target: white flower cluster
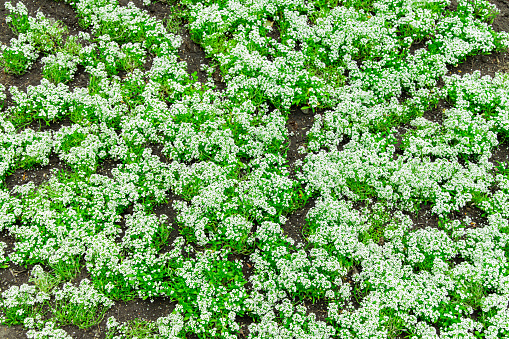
<point>50,331</point>
<point>112,56</point>
<point>19,10</point>
<point>17,296</point>
<point>23,149</point>
<point>85,296</point>
<point>170,327</point>
<point>214,295</point>
<point>486,95</point>
<point>19,56</point>
<point>20,302</point>
<point>60,67</point>
<point>35,35</point>
<point>125,23</point>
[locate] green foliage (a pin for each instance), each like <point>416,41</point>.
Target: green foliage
<point>15,61</point>
<point>67,270</point>
<point>72,140</point>
<point>20,302</point>
<point>132,88</point>
<point>451,313</point>
<point>72,46</point>
<point>59,68</point>
<point>177,15</point>
<point>393,323</point>
<point>219,279</point>
<point>502,168</point>
<point>49,39</point>
<point>366,5</point>
<point>44,281</point>
<point>470,293</point>
<point>56,74</point>
<point>133,329</point>
<point>380,219</point>
<point>84,311</point>
<point>115,286</point>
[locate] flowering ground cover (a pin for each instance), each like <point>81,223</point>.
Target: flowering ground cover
<point>254,169</point>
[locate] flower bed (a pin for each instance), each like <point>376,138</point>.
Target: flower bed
<point>223,151</point>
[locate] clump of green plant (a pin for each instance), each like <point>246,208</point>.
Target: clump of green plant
<point>380,219</point>
<point>46,34</point>
<point>47,330</point>
<point>19,56</point>
<point>67,269</point>
<point>72,44</point>
<point>44,281</point>
<point>4,259</point>
<point>113,56</point>
<point>392,322</point>
<point>35,35</point>
<point>18,17</point>
<point>59,67</point>
<point>133,56</point>
<point>20,302</point>
<point>81,306</point>
<point>211,276</point>
<point>134,329</point>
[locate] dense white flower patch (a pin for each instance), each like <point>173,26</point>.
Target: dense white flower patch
<point>223,153</point>
<point>48,332</point>
<point>19,302</point>
<point>82,306</point>
<point>35,35</point>
<point>60,67</point>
